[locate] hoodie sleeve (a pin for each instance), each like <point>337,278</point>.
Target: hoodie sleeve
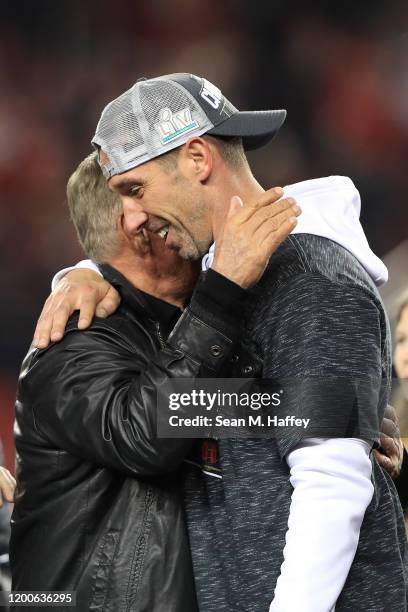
<point>332,489</point>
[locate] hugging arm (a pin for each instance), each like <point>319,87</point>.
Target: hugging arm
<point>82,288</point>
<point>250,235</point>
<point>103,391</point>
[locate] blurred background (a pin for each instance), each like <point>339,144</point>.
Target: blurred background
<point>339,68</point>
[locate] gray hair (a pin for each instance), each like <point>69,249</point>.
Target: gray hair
<point>94,210</point>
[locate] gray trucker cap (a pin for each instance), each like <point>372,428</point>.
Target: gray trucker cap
<point>158,115</point>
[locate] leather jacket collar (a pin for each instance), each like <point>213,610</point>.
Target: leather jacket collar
<point>143,303</point>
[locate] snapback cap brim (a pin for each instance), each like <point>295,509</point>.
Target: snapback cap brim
<point>256,128</point>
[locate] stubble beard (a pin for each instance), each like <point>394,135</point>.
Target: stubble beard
<point>188,248</point>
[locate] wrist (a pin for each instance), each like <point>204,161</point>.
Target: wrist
<point>219,301</point>
<point>234,277</point>
<point>82,274</point>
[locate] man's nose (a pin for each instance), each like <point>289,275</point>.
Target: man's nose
<point>134,216</point>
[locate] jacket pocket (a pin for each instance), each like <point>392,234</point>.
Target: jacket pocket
<point>105,558</point>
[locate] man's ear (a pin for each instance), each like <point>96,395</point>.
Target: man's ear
<point>196,159</point>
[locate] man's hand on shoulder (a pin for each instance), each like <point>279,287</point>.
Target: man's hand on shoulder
<point>391,452</point>
<point>82,290</point>
<point>251,234</point>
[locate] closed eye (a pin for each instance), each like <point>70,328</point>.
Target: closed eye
<point>136,191</point>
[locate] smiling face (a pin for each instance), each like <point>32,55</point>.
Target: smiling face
<point>162,199</point>
<point>401,345</point>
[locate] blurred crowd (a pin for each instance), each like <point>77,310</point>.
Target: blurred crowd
<point>340,69</point>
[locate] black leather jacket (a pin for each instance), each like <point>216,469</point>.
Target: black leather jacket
<point>98,509</point>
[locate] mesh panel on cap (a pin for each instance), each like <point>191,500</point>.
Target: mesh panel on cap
<point>146,121</point>
<point>117,123</point>
<point>158,95</point>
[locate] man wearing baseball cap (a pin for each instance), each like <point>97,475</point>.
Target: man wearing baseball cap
<point>306,520</point>
<point>158,115</point>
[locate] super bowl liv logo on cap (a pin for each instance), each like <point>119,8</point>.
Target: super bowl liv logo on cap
<point>172,125</point>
